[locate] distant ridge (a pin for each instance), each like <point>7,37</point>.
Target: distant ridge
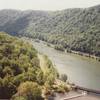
<point>78,22</point>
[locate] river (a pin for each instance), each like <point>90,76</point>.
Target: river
<point>81,70</point>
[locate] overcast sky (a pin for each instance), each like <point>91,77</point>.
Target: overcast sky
<point>46,4</point>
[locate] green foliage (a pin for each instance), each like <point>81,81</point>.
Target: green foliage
<point>74,29</point>
<point>7,88</point>
<point>29,90</point>
<point>59,47</point>
<point>18,63</point>
<point>62,88</point>
<point>50,73</point>
<point>20,69</point>
<point>19,98</point>
<point>63,77</point>
<point>40,77</point>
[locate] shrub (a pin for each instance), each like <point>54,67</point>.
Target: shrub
<point>30,90</point>
<point>63,77</point>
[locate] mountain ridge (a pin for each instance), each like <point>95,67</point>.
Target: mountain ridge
<point>70,28</point>
<point>44,16</point>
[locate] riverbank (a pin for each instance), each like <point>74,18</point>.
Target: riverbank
<point>85,54</point>
<point>76,67</point>
<point>74,52</point>
<point>68,51</point>
<point>77,95</point>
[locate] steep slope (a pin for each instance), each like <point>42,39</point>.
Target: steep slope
<point>65,21</point>
<point>19,64</point>
<point>76,29</point>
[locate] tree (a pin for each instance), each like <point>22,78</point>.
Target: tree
<point>7,88</point>
<point>30,90</point>
<point>63,77</point>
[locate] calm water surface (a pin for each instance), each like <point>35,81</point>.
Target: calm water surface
<point>81,70</point>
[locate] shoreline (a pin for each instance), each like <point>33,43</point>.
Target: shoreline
<point>73,95</point>
<point>86,55</point>
<point>74,52</point>
<point>65,50</point>
<point>45,43</point>
<point>51,45</point>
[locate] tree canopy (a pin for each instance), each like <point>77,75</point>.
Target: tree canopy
<point>20,70</point>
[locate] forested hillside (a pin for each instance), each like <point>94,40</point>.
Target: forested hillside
<point>74,29</point>
<point>21,76</point>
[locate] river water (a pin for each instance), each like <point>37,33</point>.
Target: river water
<point>81,70</point>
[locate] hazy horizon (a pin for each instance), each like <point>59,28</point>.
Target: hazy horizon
<point>50,5</point>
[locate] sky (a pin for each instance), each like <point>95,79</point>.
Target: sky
<point>46,4</point>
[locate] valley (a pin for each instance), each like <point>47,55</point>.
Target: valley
<point>81,70</point>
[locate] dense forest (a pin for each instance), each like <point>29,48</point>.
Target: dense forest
<point>25,74</point>
<point>72,29</point>
<point>21,75</point>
